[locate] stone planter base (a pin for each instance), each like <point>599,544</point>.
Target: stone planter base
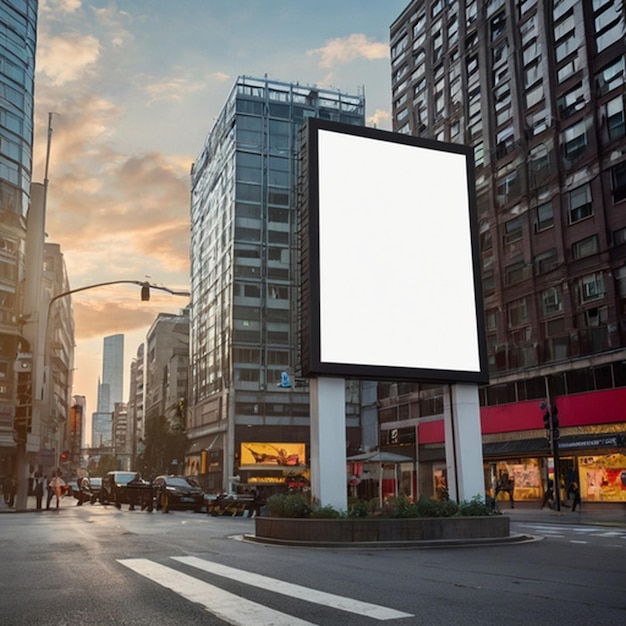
<point>372,530</point>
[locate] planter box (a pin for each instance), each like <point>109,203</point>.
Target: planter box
<point>331,531</point>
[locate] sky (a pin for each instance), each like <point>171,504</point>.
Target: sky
<point>134,87</point>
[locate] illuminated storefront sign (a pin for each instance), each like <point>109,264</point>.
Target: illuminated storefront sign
<point>256,455</point>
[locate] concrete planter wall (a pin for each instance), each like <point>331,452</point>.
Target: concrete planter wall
<point>325,531</point>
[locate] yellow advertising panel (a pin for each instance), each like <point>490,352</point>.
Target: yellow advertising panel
<point>273,455</point>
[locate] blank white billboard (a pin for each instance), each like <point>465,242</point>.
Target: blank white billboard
<point>394,284</point>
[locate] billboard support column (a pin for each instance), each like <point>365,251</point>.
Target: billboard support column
<point>328,441</point>
<point>464,457</point>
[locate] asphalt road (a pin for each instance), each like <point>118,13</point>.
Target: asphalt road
<point>95,565</point>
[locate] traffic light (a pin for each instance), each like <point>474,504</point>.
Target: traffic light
<point>555,418</point>
<point>145,292</point>
<point>546,420</point>
<point>23,367</point>
<point>65,456</point>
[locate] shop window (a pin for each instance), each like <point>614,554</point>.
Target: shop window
<point>531,389</point>
<point>551,301</point>
<point>603,377</point>
<point>580,381</point>
<point>579,205</point>
<point>585,247</point>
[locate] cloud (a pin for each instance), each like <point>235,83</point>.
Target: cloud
<point>378,118</point>
<point>67,58</point>
<point>176,88</point>
<point>64,6</point>
<point>346,49</point>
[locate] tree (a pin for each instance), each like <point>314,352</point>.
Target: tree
<point>164,444</point>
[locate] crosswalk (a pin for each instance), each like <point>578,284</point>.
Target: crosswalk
<point>576,534</point>
<point>238,611</point>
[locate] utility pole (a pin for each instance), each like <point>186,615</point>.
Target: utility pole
<point>551,424</point>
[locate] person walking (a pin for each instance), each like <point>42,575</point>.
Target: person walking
<point>58,487</point>
<point>38,489</point>
<point>548,494</point>
<point>576,501</point>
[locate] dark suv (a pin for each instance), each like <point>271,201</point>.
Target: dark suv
<point>127,488</point>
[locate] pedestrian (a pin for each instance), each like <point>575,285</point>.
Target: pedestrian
<point>9,490</point>
<point>575,491</point>
<point>58,487</point>
<point>506,484</point>
<point>38,489</point>
<point>548,495</point>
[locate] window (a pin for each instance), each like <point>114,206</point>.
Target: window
<point>585,247</point>
<point>491,319</point>
<point>544,216</point>
<point>591,287</point>
<point>619,237</point>
<point>614,114</point>
<point>479,154</point>
<point>515,273</point>
<point>609,24</point>
<point>574,140</point>
<point>517,312</point>
<point>611,76</point>
<point>551,301</point>
<point>538,162</point>
<point>579,204</point>
<point>505,141</point>
<point>546,261</point>
<point>618,181</point>
<point>572,101</point>
<point>498,25</point>
<point>513,230</point>
<point>571,66</point>
<point>507,189</point>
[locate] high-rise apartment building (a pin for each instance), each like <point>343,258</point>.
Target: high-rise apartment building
<point>244,320</point>
<point>18,34</point>
<point>110,389</point>
<point>538,89</point>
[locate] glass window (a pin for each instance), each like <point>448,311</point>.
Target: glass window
<point>545,216</point>
<point>572,101</point>
<point>579,204</point>
<point>574,140</point>
<point>609,24</point>
<point>534,95</point>
<point>507,189</point>
<point>585,247</point>
<point>517,312</point>
<point>515,273</point>
<point>568,68</point>
<point>614,114</point>
<point>513,230</point>
<point>546,261</point>
<point>612,76</point>
<point>551,301</point>
<point>618,181</point>
<point>591,287</point>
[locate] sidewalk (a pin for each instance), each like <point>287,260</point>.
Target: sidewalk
<point>603,515</point>
<point>31,504</point>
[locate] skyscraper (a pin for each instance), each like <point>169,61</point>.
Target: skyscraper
<point>110,389</point>
<point>18,30</point>
<point>244,280</point>
<point>537,88</point>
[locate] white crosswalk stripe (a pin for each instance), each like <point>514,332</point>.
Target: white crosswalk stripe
<point>342,603</point>
<point>241,612</point>
<point>227,606</point>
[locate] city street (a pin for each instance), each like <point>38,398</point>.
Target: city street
<point>98,565</point>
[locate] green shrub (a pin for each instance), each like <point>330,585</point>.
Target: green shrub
<point>327,512</point>
<point>361,508</point>
<point>400,507</point>
<point>476,506</point>
<point>288,505</point>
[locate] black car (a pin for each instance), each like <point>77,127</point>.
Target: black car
<point>127,488</point>
<point>177,492</point>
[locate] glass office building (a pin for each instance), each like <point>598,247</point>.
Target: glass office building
<point>244,281</point>
<point>18,24</point>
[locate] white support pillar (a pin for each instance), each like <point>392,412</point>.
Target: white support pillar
<point>464,450</point>
<point>328,442</point>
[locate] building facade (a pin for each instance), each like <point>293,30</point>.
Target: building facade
<point>245,400</point>
<point>538,89</point>
<point>18,34</point>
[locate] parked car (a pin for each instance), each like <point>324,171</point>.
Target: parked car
<point>127,488</point>
<point>177,492</point>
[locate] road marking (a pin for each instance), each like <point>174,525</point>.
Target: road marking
<point>227,606</point>
<point>292,590</point>
<point>577,541</point>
